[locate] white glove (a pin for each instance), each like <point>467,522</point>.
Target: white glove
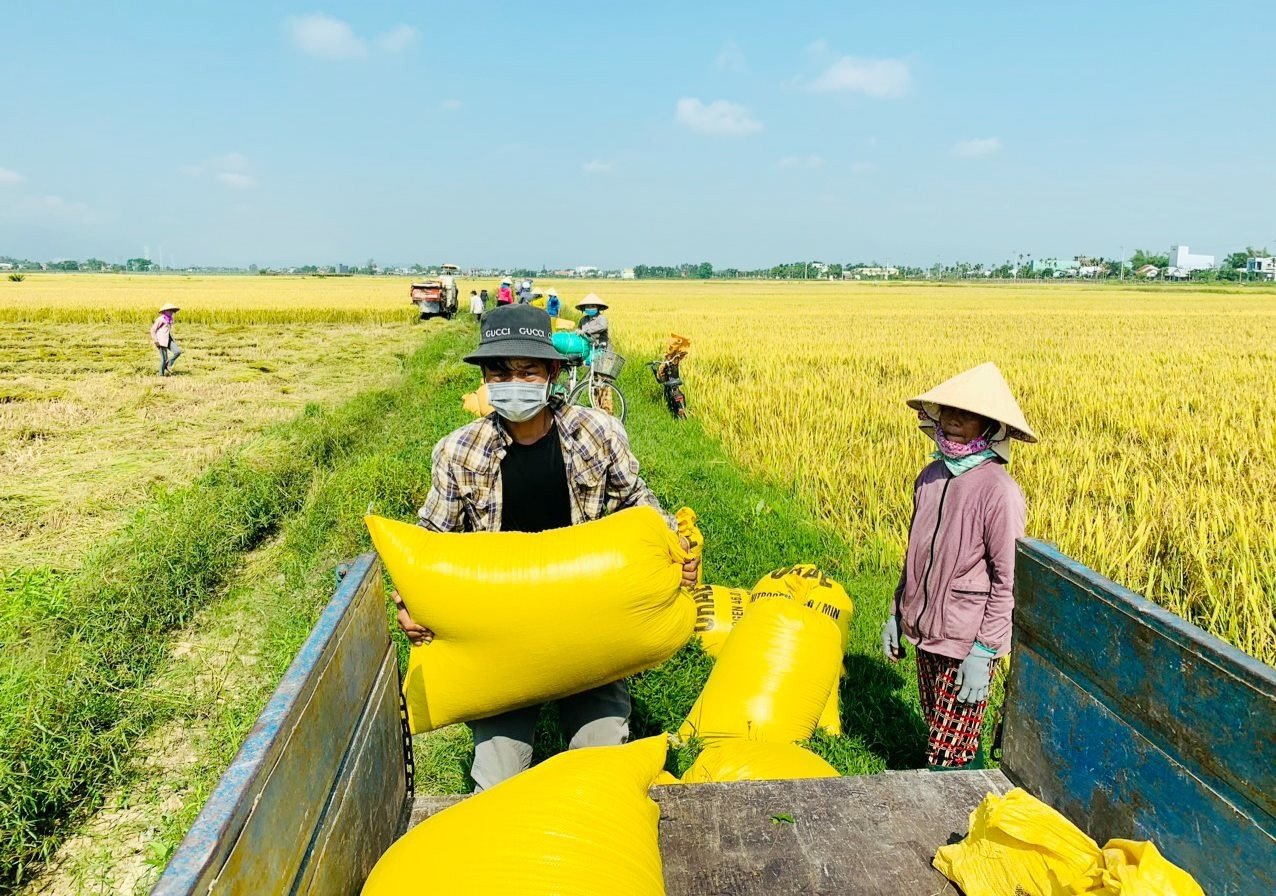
<point>974,674</point>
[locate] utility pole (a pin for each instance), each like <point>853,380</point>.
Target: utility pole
<point>1123,262</point>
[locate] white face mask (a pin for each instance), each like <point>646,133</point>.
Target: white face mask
<point>518,402</point>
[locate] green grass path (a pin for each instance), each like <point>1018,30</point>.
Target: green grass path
<point>300,491</point>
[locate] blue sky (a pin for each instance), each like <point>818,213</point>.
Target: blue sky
<point>571,133</point>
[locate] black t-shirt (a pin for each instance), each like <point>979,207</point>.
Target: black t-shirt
<point>534,486</point>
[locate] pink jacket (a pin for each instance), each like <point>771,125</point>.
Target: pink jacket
<point>956,585</point>
<point>162,331</point>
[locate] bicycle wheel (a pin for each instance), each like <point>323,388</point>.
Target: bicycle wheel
<point>602,396</point>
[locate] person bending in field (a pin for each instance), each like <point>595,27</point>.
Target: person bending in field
<point>954,598</point>
<point>162,338</point>
<point>533,464</point>
<point>504,295</point>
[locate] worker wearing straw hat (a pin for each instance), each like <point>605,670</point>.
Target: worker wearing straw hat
<point>162,338</point>
<point>954,598</point>
<point>594,324</point>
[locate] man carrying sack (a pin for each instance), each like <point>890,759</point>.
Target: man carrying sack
<point>532,465</point>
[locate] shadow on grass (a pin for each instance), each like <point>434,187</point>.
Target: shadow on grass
<point>876,711</point>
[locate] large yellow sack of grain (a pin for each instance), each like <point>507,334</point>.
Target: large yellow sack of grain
<point>579,824</point>
<point>773,677</point>
<point>519,619</point>
<point>747,760</point>
<point>476,402</point>
<point>687,528</point>
<point>718,609</point>
<point>808,584</point>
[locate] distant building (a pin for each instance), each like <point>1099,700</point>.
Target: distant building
<point>627,274</point>
<point>863,272</point>
<point>1181,257</point>
<point>1148,271</point>
<point>586,270</point>
<point>1261,268</point>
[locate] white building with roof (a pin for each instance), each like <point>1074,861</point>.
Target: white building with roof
<point>1181,257</point>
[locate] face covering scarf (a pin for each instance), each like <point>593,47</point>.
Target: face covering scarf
<point>958,457</point>
<point>518,402</point>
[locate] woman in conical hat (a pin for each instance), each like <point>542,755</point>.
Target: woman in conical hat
<point>954,599</point>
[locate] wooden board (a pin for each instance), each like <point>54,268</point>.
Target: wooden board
<point>256,833</point>
<point>863,836</point>
<point>1134,723</point>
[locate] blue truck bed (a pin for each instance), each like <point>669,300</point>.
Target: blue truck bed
<point>1127,719</point>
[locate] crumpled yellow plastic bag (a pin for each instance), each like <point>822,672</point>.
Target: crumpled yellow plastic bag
<point>1137,868</point>
<point>718,609</point>
<point>1018,844</point>
<point>687,528</point>
<point>807,584</point>
<point>476,402</point>
<point>522,618</point>
<point>579,824</point>
<point>773,677</point>
<point>748,760</point>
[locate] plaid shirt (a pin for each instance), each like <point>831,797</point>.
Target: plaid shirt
<point>602,472</point>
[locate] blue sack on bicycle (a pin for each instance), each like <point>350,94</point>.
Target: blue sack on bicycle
<point>573,345</point>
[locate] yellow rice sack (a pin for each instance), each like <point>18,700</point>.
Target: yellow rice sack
<point>1018,844</point>
<point>773,677</point>
<point>747,760</point>
<point>718,609</point>
<point>579,824</point>
<point>476,402</point>
<point>522,618</point>
<point>687,528</point>
<point>808,584</point>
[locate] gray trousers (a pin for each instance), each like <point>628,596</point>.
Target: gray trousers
<point>503,744</point>
<point>168,356</point>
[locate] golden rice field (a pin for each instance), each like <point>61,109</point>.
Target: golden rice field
<point>1155,406</point>
<point>87,430</point>
<point>1155,409</point>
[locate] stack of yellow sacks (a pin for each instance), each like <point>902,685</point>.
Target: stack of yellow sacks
<point>779,656</point>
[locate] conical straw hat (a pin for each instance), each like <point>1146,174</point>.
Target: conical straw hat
<point>981,390</point>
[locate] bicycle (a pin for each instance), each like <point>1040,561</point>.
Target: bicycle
<point>667,374</point>
<point>591,377</point>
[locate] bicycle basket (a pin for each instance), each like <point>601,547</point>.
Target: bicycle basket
<point>606,363</point>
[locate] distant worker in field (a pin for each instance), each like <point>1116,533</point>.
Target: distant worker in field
<point>487,300</point>
<point>552,305</point>
<point>162,338</point>
<point>477,305</point>
<point>525,292</point>
<point>594,324</point>
<point>505,295</point>
<point>534,464</point>
<point>954,599</point>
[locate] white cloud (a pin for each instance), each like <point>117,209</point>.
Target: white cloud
<point>862,167</point>
<point>50,207</point>
<point>792,162</point>
<point>450,105</point>
<point>319,34</point>
<point>596,166</point>
<point>730,58</point>
<point>8,176</point>
<point>878,78</point>
<point>976,148</point>
<point>398,38</point>
<point>717,119</point>
<point>230,170</point>
<point>236,180</point>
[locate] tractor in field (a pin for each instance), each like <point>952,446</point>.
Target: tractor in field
<point>437,297</point>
